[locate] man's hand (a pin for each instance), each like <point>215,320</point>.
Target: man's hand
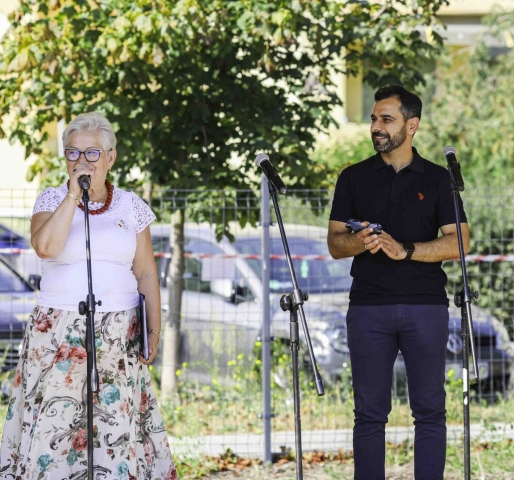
<point>343,244</point>
<point>370,242</point>
<point>391,247</point>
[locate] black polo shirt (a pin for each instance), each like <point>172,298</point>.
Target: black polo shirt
<point>411,205</point>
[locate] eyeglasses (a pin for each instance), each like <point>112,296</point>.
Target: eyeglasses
<point>91,154</point>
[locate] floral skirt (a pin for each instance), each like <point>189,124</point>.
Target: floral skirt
<point>45,433</point>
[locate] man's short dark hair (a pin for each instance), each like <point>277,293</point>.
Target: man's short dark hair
<point>411,104</point>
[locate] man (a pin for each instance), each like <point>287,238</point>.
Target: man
<point>397,300</point>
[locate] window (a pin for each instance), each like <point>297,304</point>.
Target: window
<point>193,266</point>
<point>313,275</point>
<point>243,291</point>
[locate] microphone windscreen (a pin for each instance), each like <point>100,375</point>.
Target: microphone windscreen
<point>85,182</point>
<point>260,158</point>
<point>449,149</point>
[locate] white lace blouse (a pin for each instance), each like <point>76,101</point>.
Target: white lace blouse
<point>113,247</point>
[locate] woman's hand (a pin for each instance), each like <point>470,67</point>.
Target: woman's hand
<point>49,230</point>
<point>145,271</point>
<point>153,347</point>
<point>79,169</point>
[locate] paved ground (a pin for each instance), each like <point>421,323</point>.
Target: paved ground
<point>251,445</point>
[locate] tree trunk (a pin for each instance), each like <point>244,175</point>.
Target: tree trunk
<point>148,191</point>
<point>171,343</point>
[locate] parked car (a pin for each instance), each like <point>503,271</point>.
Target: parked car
<point>10,239</point>
<point>15,231</point>
<point>17,299</point>
<point>493,349</point>
<point>221,303</point>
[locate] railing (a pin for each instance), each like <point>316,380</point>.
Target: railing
<point>220,388</point>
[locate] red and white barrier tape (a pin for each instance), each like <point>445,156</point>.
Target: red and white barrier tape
<point>469,258</point>
<point>250,256</point>
<point>490,258</point>
<point>14,251</point>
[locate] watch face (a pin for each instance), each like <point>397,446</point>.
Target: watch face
<point>408,246</point>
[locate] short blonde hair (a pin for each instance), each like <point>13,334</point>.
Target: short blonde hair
<point>91,122</point>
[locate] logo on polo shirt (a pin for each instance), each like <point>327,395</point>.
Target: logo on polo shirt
<point>421,196</point>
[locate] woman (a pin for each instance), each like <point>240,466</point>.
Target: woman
<point>45,434</point>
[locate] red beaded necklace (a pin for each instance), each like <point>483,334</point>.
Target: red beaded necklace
<point>107,204</point>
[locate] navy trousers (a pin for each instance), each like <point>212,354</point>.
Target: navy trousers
<point>375,334</point>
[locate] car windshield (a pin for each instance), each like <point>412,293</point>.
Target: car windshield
<point>314,275</point>
<point>10,282</point>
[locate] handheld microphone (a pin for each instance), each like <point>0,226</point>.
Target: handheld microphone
<point>454,168</point>
<point>85,182</point>
<point>262,161</point>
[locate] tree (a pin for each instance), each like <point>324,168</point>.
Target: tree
<point>473,109</point>
<point>190,84</point>
<point>339,153</point>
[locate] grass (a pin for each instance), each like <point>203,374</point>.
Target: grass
<point>494,458</point>
<point>200,416</point>
<point>488,461</point>
<point>212,409</point>
<point>201,409</point>
<point>217,409</point>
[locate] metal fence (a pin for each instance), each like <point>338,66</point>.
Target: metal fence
<point>219,401</point>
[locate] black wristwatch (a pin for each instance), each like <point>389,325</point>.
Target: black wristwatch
<point>409,248</point>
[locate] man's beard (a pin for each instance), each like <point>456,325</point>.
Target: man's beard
<point>392,143</point>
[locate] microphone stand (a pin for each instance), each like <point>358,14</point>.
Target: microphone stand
<point>294,304</point>
<point>88,308</point>
<point>462,300</point>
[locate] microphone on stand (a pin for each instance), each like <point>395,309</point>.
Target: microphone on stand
<point>262,161</point>
<point>85,182</point>
<point>454,167</point>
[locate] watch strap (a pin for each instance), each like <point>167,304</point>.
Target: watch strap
<point>409,248</point>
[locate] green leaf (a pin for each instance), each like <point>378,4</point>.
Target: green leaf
<point>194,88</point>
